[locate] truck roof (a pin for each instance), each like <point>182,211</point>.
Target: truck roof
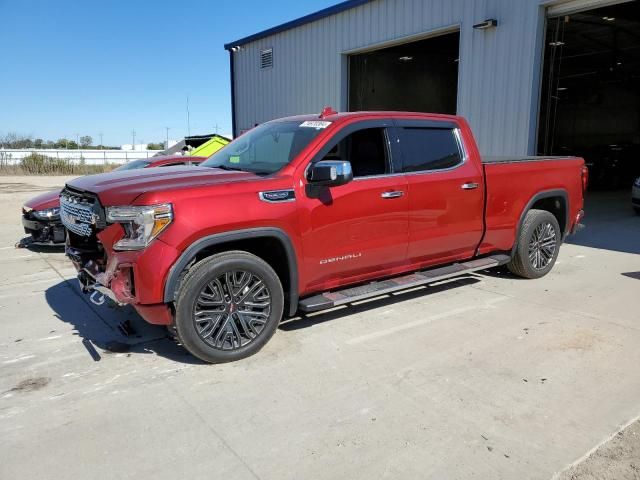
<point>341,116</point>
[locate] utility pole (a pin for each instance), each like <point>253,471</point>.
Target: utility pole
<point>188,119</point>
<point>77,141</point>
<point>101,145</point>
<point>133,141</point>
<point>216,127</point>
<point>166,145</point>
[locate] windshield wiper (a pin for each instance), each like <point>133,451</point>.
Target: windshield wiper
<point>233,169</point>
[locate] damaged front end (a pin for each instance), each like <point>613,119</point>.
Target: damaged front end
<point>102,271</point>
<point>84,218</point>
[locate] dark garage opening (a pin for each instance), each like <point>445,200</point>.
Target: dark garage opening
<point>590,102</point>
<point>420,76</point>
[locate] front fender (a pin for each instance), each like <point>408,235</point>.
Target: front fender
<point>192,251</point>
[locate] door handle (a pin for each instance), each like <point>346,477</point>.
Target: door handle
<point>396,194</point>
<point>470,186</point>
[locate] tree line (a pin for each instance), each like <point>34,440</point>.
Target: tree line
<point>17,141</point>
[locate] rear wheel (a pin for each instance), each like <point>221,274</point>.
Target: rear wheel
<point>228,306</point>
<point>637,209</point>
<point>538,245</point>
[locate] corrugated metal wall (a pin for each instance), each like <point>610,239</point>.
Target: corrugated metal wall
<point>498,77</point>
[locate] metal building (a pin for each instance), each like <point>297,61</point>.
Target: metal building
<point>496,62</point>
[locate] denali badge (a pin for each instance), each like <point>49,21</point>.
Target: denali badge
<point>276,196</point>
<point>350,256</point>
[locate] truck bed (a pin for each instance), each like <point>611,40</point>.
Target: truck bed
<point>513,185</point>
<point>507,159</point>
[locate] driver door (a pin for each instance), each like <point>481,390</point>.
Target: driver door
<point>358,230</point>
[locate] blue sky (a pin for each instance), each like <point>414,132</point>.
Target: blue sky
<point>111,66</point>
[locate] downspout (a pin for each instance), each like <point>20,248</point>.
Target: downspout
<point>233,92</point>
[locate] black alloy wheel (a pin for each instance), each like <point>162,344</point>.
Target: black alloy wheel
<point>232,310</point>
<point>228,306</point>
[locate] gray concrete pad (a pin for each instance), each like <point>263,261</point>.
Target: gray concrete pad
<point>486,376</point>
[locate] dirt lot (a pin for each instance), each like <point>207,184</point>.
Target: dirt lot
<point>617,459</point>
<point>487,376</point>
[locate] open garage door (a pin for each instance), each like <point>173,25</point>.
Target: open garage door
<point>420,76</point>
<point>590,103</point>
<point>577,6</point>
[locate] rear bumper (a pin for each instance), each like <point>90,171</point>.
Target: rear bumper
<point>577,226</point>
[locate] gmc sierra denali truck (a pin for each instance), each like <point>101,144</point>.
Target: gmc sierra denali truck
<point>310,212</point>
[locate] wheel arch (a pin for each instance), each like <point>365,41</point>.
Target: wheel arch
<point>554,201</point>
<point>252,240</point>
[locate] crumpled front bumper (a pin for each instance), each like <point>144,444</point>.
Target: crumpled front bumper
<point>44,231</point>
<point>133,278</point>
<point>116,285</point>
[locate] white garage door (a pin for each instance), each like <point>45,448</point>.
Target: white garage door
<point>574,6</point>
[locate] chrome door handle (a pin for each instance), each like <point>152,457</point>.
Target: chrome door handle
<point>470,186</point>
<point>396,194</point>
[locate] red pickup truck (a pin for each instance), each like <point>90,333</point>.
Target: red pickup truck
<point>306,213</point>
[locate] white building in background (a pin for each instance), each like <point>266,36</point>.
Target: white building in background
<point>138,147</point>
<point>482,59</point>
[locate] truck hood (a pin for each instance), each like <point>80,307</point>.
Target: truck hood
<point>44,201</point>
<point>122,188</point>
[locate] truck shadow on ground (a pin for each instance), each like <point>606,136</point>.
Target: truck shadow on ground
<point>311,319</point>
<point>108,330</point>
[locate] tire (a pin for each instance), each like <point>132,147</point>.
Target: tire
<point>538,244</point>
<point>228,306</point>
<point>637,209</point>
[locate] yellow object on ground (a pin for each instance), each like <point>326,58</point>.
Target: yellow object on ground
<point>209,148</point>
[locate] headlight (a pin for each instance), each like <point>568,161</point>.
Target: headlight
<point>637,182</point>
<point>48,214</point>
<point>141,224</point>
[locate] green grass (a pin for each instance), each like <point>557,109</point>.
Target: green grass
<point>36,164</point>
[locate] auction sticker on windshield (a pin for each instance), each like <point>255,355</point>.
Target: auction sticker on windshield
<point>315,124</point>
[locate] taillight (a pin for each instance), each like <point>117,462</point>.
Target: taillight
<point>585,179</point>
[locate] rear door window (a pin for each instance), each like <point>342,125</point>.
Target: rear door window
<point>428,149</point>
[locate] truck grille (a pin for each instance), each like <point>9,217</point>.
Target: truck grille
<point>77,213</point>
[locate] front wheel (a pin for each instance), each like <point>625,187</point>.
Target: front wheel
<point>538,245</point>
<point>228,307</point>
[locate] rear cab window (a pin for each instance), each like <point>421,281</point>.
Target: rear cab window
<point>429,146</point>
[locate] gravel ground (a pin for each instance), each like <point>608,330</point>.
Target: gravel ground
<point>617,459</point>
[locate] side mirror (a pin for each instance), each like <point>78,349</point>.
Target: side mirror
<point>330,173</point>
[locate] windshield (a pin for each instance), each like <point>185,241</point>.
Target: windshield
<point>267,148</point>
<point>135,164</point>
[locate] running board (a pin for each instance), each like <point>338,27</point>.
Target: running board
<point>327,300</point>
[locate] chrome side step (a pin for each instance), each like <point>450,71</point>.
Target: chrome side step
<point>327,300</point>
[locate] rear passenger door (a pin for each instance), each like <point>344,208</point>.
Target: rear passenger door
<point>445,190</point>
